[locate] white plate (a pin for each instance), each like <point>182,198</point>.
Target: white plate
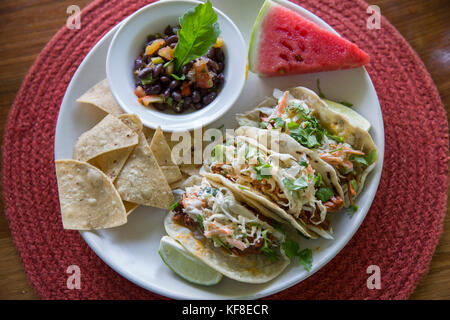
<point>132,249</point>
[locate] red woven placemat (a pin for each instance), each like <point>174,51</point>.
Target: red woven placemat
<point>399,234</point>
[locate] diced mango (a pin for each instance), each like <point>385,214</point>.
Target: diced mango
<point>219,43</point>
<point>154,46</point>
<point>166,53</point>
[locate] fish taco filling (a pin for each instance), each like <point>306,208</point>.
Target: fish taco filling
<point>294,117</point>
<point>214,213</point>
<point>291,184</point>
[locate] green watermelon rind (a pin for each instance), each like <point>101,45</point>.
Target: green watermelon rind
<point>254,38</point>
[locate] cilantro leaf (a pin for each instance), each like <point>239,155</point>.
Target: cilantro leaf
<point>199,32</point>
<point>352,209</point>
<point>305,258</point>
<point>317,180</point>
<point>293,125</point>
<point>303,163</point>
<point>290,248</point>
<point>266,250</point>
<point>297,184</point>
<point>365,161</point>
<point>263,125</point>
<point>324,194</point>
<point>175,205</point>
<point>262,170</point>
<point>354,184</point>
<point>217,153</point>
<point>279,122</point>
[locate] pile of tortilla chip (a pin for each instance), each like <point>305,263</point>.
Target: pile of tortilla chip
<point>115,168</point>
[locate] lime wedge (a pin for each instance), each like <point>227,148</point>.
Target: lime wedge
<point>187,266</point>
<point>354,117</point>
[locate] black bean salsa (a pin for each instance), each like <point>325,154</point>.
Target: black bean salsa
<point>158,86</point>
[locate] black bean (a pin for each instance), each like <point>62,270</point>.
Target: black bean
<point>176,96</point>
<point>220,57</point>
<point>186,68</point>
<point>196,97</point>
<point>209,98</point>
<point>198,106</point>
<point>173,45</point>
<point>171,40</point>
<point>211,53</point>
<point>173,84</point>
<point>168,31</point>
<point>138,63</point>
<point>153,89</point>
<point>220,67</point>
<point>164,79</point>
<point>220,78</point>
<point>160,106</point>
<point>167,93</point>
<point>151,37</point>
<point>177,107</point>
<point>213,65</point>
<point>157,70</point>
<point>145,72</point>
<point>187,100</point>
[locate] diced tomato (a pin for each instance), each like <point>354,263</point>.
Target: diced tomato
<point>185,89</point>
<point>202,77</point>
<point>151,98</point>
<point>139,92</point>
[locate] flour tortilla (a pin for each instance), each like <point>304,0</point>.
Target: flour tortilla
<point>87,197</point>
<point>331,120</point>
<point>142,181</point>
<point>163,155</point>
<point>337,124</point>
<point>253,268</point>
<point>253,198</point>
<point>100,96</point>
<point>108,135</point>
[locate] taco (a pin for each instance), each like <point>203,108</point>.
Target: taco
<point>286,186</point>
<point>230,237</point>
<point>304,121</point>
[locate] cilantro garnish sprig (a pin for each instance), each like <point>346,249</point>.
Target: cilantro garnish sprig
<point>291,249</point>
<point>198,33</point>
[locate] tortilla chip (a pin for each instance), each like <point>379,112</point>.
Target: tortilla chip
<point>87,197</point>
<point>112,162</point>
<point>101,97</point>
<point>163,156</point>
<point>108,135</point>
<point>142,181</point>
<point>132,121</point>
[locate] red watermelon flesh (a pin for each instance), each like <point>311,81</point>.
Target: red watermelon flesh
<point>287,43</point>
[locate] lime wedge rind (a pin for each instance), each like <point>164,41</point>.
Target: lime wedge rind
<point>185,265</point>
<point>353,117</point>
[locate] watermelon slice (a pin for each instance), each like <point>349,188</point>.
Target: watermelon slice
<point>283,42</point>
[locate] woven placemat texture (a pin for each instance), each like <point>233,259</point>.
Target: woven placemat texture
<point>399,234</point>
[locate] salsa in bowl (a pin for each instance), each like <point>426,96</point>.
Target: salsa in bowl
<point>180,90</point>
<point>195,86</point>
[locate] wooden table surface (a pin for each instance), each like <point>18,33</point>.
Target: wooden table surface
<point>27,25</point>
